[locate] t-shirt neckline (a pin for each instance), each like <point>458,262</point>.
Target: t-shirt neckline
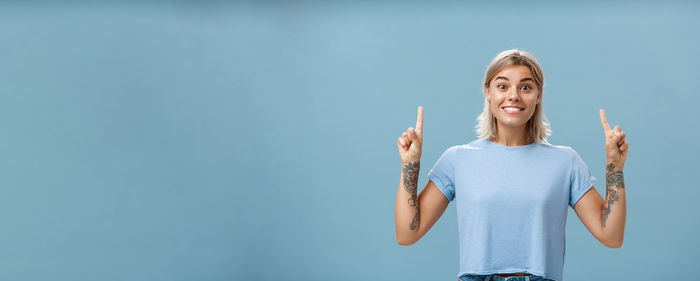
<point>505,147</point>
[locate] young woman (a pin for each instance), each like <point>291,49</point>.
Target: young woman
<point>510,186</point>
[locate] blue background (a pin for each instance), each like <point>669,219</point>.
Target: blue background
<point>182,140</point>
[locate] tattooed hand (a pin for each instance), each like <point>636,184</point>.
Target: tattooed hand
<point>411,142</point>
<point>616,147</point>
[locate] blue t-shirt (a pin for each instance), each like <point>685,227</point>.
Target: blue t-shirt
<point>511,204</point>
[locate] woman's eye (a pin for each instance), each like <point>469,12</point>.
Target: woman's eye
<point>501,87</point>
<point>526,87</point>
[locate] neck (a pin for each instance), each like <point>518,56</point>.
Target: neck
<point>511,136</point>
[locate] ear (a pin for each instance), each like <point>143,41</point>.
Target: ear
<point>539,98</point>
<point>486,90</point>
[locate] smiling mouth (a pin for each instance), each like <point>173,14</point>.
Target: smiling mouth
<point>512,109</point>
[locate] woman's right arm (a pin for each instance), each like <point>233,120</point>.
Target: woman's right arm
<point>414,214</point>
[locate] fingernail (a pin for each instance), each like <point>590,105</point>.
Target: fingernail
<point>617,134</point>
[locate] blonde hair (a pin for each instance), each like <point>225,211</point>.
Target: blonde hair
<point>538,127</point>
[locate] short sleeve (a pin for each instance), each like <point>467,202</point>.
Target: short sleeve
<point>442,174</point>
<point>580,179</point>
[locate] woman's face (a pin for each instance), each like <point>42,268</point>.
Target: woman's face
<point>513,95</point>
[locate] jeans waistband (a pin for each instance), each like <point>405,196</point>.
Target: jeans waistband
<point>494,277</point>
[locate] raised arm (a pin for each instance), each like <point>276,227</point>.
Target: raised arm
<point>415,215</point>
<point>605,219</point>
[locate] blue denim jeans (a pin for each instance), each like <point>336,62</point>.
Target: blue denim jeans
<point>494,277</point>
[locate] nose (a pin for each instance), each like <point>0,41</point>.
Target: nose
<point>512,94</point>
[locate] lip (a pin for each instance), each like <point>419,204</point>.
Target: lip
<point>511,113</point>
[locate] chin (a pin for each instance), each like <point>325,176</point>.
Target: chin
<point>514,125</point>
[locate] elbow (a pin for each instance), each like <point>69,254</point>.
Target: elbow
<point>611,240</point>
<point>614,244</point>
<point>405,242</point>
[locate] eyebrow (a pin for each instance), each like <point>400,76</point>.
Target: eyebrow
<point>522,80</point>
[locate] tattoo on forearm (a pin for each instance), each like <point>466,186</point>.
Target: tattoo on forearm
<point>410,183</point>
<point>613,179</point>
<point>611,198</point>
<point>416,220</point>
<point>410,180</point>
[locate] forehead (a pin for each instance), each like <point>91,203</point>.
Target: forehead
<point>515,72</point>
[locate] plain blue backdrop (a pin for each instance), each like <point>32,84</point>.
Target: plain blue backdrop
<point>179,140</point>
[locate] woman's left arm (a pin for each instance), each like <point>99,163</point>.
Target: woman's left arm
<point>605,219</point>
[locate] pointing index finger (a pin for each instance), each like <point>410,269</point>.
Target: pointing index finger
<point>419,121</point>
<point>604,121</point>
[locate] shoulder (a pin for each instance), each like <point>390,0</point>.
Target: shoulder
<point>563,152</point>
<point>477,144</point>
<point>458,153</point>
<point>570,157</point>
<point>557,148</point>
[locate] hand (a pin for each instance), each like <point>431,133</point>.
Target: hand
<point>411,142</point>
<point>616,147</point>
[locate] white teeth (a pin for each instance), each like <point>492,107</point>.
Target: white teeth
<point>513,109</point>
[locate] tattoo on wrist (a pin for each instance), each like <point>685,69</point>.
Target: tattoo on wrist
<point>410,177</point>
<point>612,179</point>
<point>410,184</point>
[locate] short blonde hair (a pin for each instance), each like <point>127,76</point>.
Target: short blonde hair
<point>538,127</point>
